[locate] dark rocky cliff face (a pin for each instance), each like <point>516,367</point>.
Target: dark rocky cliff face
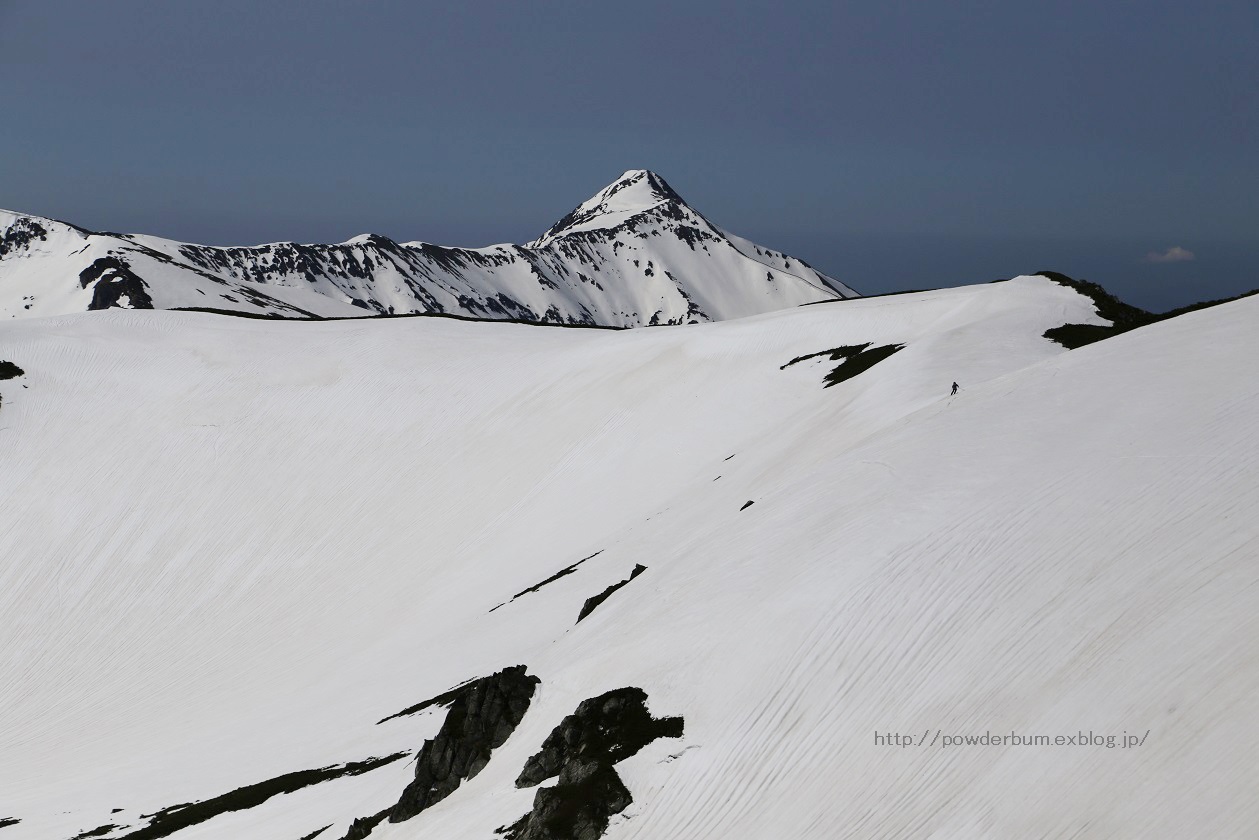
<point>607,728</point>
<point>176,818</point>
<point>482,716</point>
<point>19,235</point>
<point>581,751</point>
<point>114,281</point>
<point>579,807</point>
<point>595,600</point>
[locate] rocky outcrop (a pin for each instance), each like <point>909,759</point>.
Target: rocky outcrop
<point>595,600</point>
<point>581,751</point>
<point>178,817</point>
<point>18,237</point>
<point>1122,316</point>
<point>444,699</point>
<point>567,570</point>
<point>363,826</point>
<point>608,728</point>
<point>853,358</point>
<point>579,807</point>
<point>115,281</point>
<point>482,715</point>
<point>8,370</point>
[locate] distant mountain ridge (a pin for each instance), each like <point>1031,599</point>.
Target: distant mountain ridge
<point>634,254</point>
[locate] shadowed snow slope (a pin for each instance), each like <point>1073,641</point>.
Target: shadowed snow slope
<point>229,547</point>
<point>633,255</point>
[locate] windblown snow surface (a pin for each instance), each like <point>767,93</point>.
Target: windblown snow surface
<point>635,254</point>
<point>229,547</point>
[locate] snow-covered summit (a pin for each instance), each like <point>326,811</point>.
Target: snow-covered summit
<point>637,191</point>
<point>635,254</point>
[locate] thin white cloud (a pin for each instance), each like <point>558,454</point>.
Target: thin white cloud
<point>1171,255</point>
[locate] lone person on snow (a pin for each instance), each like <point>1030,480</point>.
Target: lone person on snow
<point>954,390</point>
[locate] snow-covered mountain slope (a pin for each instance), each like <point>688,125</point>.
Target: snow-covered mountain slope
<point>230,547</point>
<point>636,254</point>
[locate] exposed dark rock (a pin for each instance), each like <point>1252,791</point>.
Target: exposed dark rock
<point>1072,336</point>
<point>363,826</point>
<point>579,807</point>
<point>482,716</point>
<point>595,600</point>
<point>443,699</point>
<point>8,821</point>
<point>866,297</point>
<point>860,363</point>
<point>581,751</point>
<point>856,358</point>
<point>235,313</point>
<point>1108,306</point>
<point>8,370</point>
<point>177,817</point>
<point>746,505</point>
<point>19,235</point>
<point>567,570</point>
<point>836,354</point>
<point>99,831</point>
<point>99,267</point>
<point>316,832</point>
<point>114,280</point>
<point>1205,304</point>
<point>608,728</point>
<point>1123,317</point>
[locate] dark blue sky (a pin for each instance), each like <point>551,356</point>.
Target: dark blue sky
<point>894,145</point>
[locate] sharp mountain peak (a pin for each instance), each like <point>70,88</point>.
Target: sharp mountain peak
<point>636,191</point>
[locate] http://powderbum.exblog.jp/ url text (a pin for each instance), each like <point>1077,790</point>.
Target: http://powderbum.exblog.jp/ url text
<point>940,740</point>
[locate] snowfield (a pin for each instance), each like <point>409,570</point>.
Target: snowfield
<point>230,547</point>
